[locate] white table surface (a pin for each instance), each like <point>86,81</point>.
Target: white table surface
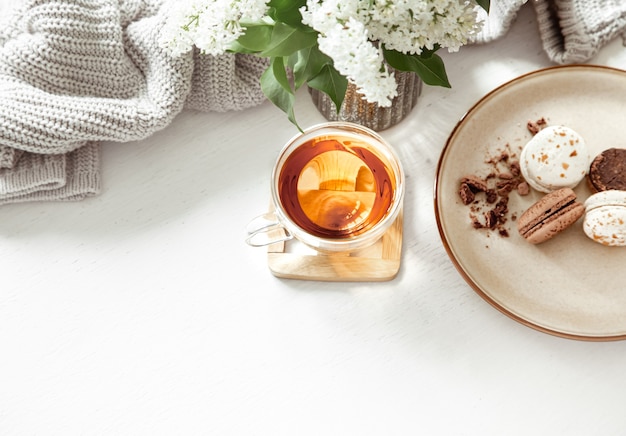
<point>143,312</point>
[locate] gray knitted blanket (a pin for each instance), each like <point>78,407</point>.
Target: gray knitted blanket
<point>572,31</point>
<point>74,73</point>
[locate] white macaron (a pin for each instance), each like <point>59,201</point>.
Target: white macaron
<point>605,218</point>
<point>556,157</point>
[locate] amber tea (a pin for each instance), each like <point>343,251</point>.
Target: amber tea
<point>336,186</point>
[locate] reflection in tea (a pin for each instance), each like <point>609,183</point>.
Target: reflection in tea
<point>336,187</point>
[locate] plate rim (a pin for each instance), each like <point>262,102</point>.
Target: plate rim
<point>448,247</point>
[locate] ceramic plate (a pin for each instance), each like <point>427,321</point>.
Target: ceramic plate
<point>568,286</point>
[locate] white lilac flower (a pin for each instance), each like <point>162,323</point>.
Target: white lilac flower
<point>347,42</point>
<point>410,26</point>
<point>175,35</point>
<point>211,25</point>
<point>350,31</point>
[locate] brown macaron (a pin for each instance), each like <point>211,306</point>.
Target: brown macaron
<point>608,170</point>
<point>549,216</point>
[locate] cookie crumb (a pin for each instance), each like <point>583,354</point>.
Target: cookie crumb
<point>523,189</point>
<point>488,196</point>
<point>466,194</point>
<point>535,127</point>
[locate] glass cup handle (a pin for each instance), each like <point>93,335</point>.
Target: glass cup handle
<point>266,230</point>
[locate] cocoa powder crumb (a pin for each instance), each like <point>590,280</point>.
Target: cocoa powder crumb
<point>523,189</point>
<point>492,196</point>
<point>504,187</point>
<point>475,223</point>
<point>475,184</point>
<point>535,127</point>
<point>515,169</point>
<point>488,196</point>
<point>466,193</point>
<point>491,219</point>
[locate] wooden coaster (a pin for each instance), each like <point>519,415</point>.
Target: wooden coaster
<point>380,262</point>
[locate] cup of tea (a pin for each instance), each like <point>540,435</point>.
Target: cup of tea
<point>336,187</point>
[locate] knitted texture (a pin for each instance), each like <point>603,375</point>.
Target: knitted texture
<point>225,83</point>
<point>74,73</point>
<point>71,176</point>
<point>574,31</point>
<point>502,14</point>
<point>571,31</point>
<point>77,72</point>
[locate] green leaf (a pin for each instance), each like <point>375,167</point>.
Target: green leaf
<point>256,39</point>
<point>484,4</point>
<point>429,66</point>
<point>308,63</point>
<point>426,53</point>
<point>287,40</point>
<point>287,11</point>
<point>235,47</point>
<point>330,82</point>
<point>275,86</point>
